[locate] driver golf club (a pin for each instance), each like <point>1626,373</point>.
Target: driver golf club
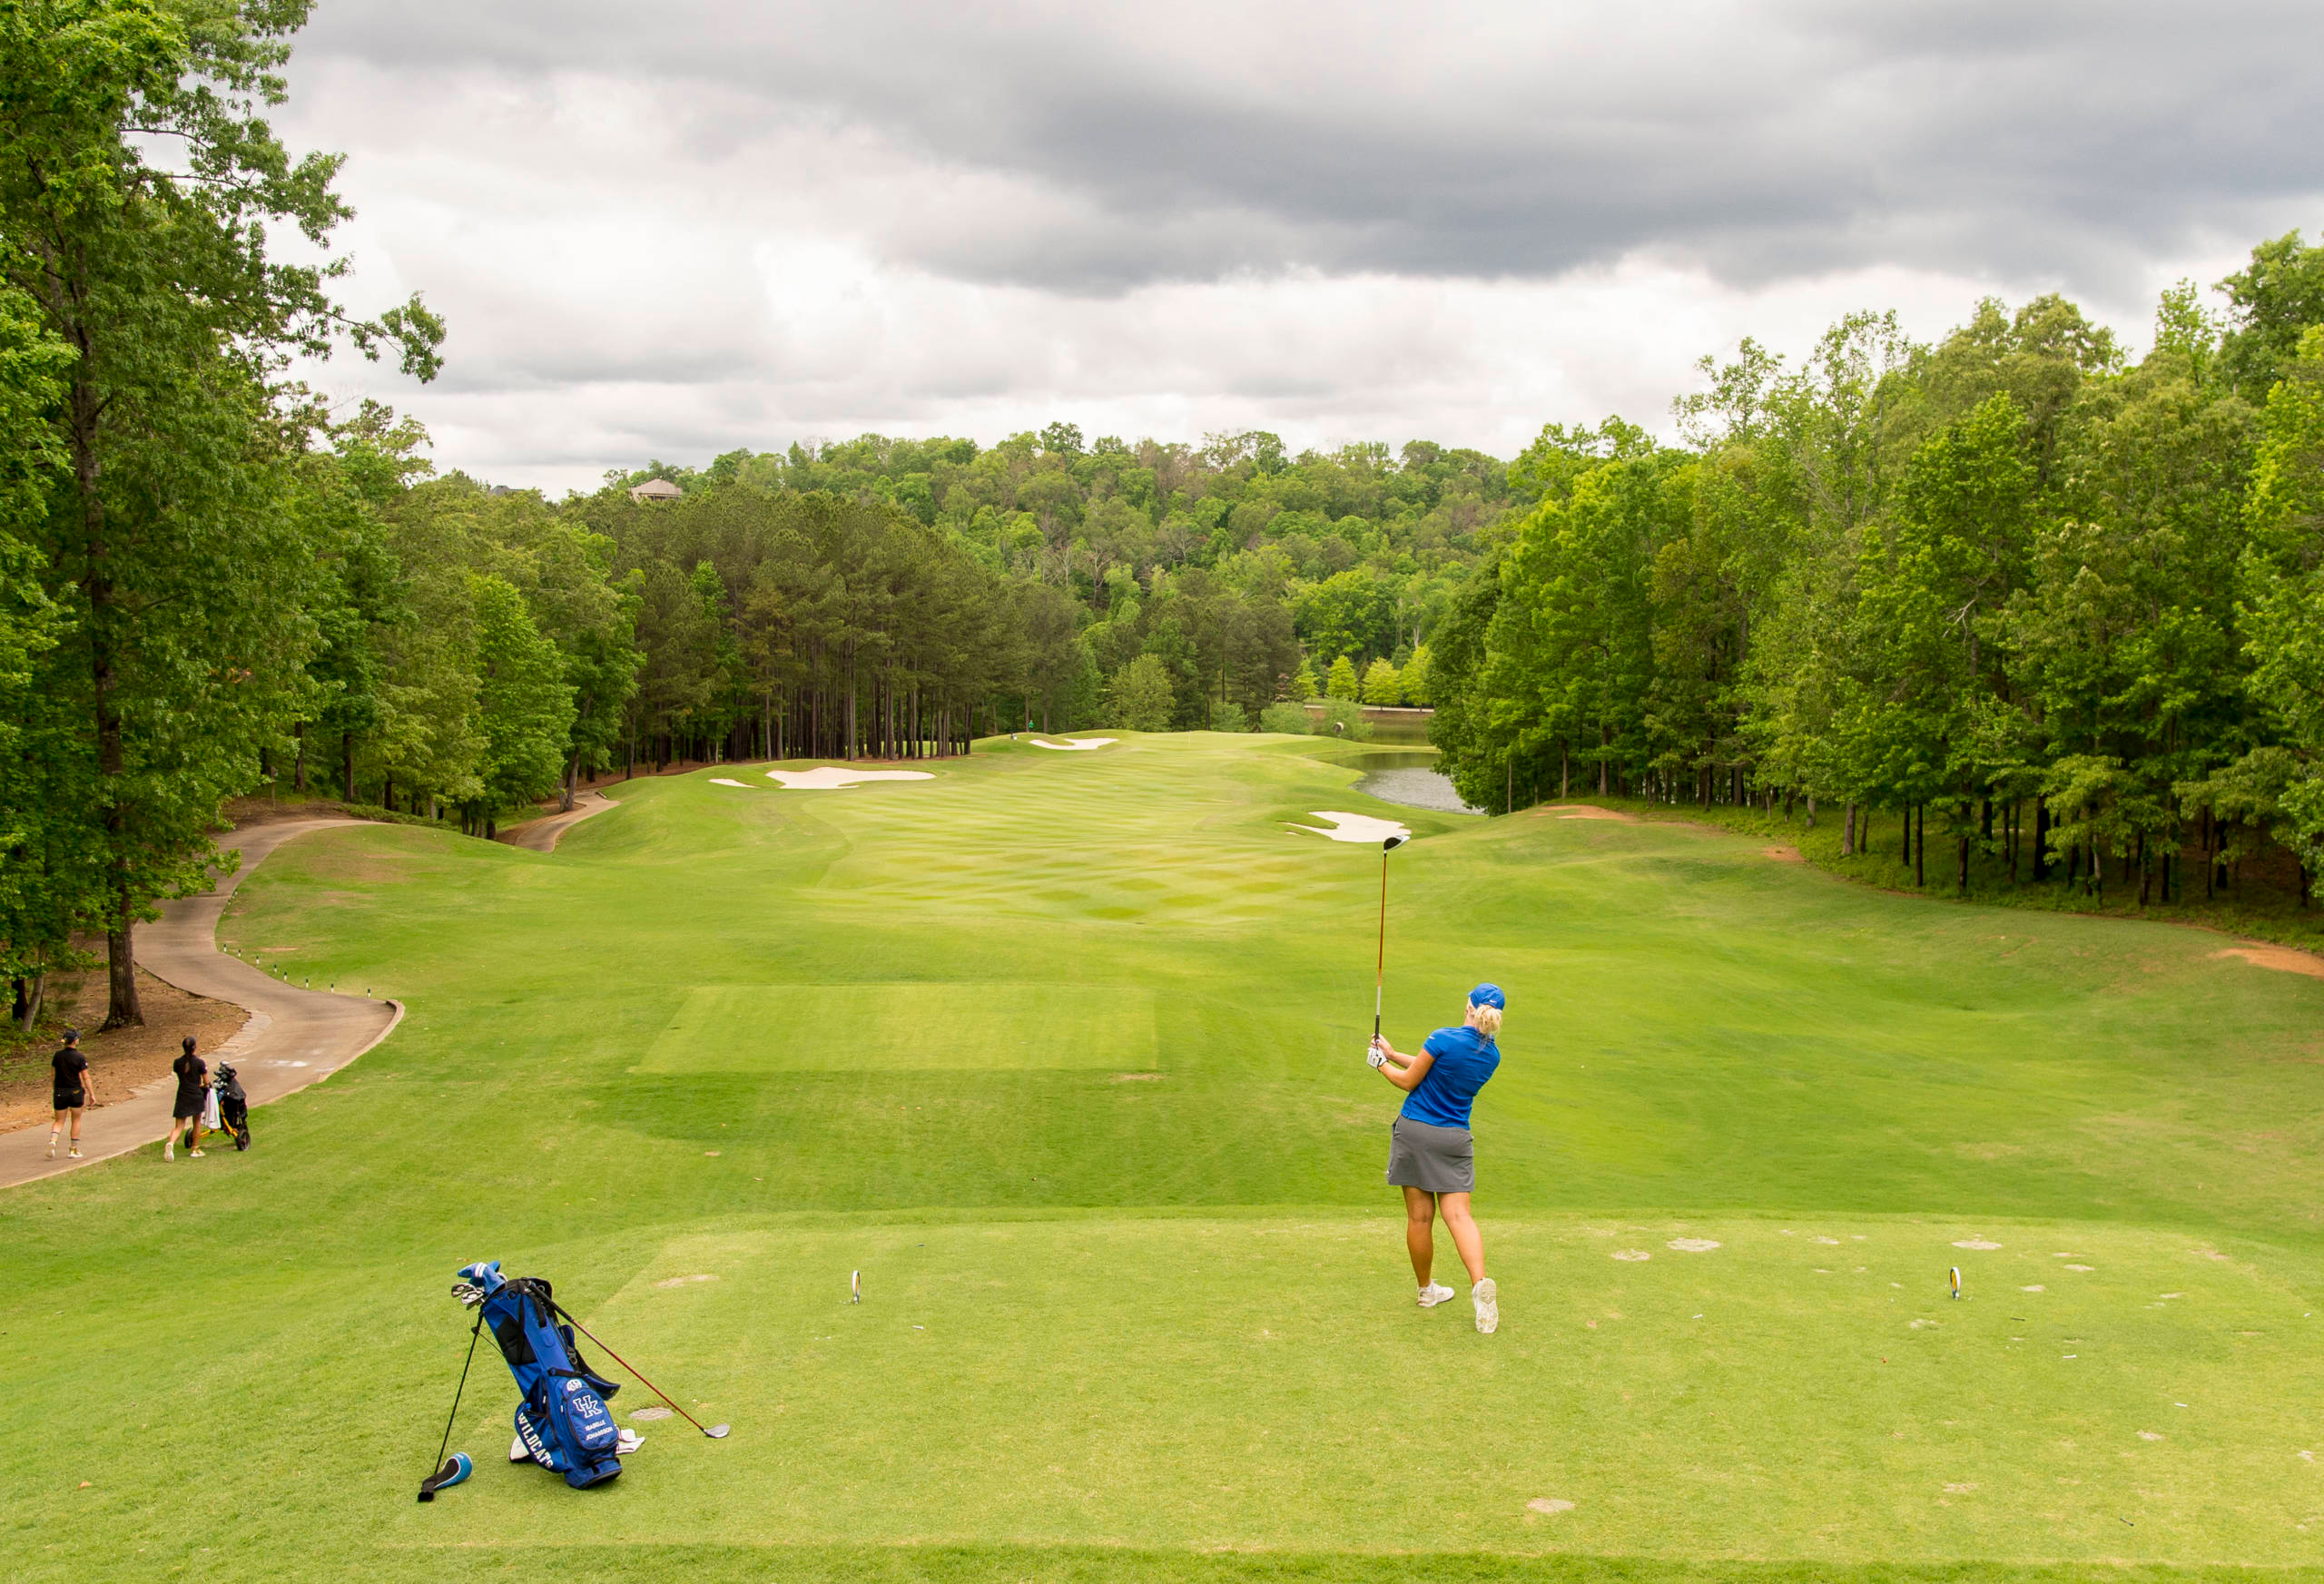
<point>1380,969</point>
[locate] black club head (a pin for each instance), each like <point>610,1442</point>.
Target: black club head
<point>1393,843</point>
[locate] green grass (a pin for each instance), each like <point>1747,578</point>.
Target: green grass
<point>1062,1053</point>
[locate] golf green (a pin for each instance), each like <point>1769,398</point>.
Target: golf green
<point>1062,1053</point>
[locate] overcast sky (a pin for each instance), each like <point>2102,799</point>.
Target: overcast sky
<point>670,229</point>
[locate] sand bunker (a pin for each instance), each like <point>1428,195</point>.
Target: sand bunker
<point>1693,1245</point>
<point>1075,745</point>
<point>1974,1242</point>
<point>833,777</point>
<point>2282,958</point>
<point>1588,811</point>
<point>723,781</point>
<point>1355,828</point>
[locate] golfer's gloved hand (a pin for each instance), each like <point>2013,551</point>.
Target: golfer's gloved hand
<point>1377,1057</point>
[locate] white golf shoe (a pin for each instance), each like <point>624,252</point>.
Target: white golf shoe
<point>1487,1302</point>
<point>1432,1294</point>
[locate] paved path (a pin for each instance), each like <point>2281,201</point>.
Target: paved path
<point>541,835</point>
<point>294,1037</point>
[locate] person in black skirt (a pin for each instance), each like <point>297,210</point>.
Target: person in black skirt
<point>185,1117</point>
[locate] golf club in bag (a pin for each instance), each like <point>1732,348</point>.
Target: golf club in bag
<point>233,1104</point>
<point>1380,968</point>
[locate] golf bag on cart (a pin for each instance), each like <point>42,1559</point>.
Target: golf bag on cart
<point>234,1106</point>
<point>562,1421</point>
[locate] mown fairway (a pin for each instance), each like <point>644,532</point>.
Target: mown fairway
<point>1063,1053</point>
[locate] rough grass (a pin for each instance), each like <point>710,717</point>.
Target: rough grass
<point>1162,1329</point>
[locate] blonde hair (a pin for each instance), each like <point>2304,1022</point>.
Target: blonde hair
<point>1486,1019</point>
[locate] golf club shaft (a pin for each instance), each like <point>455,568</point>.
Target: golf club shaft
<point>642,1381</point>
<point>474,1332</point>
<point>1380,968</point>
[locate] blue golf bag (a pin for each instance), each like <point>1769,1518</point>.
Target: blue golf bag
<point>562,1421</point>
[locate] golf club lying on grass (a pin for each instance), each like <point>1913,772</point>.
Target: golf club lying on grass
<point>715,1431</point>
<point>1380,968</point>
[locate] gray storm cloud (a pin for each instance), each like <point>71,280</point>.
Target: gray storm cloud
<point>1181,141</point>
<point>684,227</point>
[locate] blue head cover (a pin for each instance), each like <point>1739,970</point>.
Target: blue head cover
<point>1487,995</point>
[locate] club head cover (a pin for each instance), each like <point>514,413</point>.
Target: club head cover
<point>456,1469</point>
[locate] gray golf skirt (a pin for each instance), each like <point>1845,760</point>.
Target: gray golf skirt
<point>1435,1160</point>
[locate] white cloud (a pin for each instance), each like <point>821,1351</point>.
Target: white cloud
<point>677,231</point>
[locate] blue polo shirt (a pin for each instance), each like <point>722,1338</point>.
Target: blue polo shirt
<point>1465,1060</point>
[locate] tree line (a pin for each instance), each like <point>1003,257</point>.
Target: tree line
<point>2053,608</point>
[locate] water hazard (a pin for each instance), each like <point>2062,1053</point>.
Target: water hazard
<point>1409,777</point>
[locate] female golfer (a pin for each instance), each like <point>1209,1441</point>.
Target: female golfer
<point>74,1088</point>
<point>193,1077</point>
<point>1429,1152</point>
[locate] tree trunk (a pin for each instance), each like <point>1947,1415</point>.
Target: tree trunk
<point>31,992</point>
<point>1564,771</point>
<point>1848,832</point>
<point>298,763</point>
<point>2041,841</point>
<point>1920,844</point>
<point>1964,880</point>
<point>121,965</point>
<point>347,765</point>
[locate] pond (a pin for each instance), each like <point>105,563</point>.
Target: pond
<point>1410,777</point>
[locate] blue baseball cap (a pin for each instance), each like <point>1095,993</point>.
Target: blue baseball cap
<point>1487,996</point>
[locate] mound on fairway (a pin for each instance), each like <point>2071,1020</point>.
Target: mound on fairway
<point>1068,1068</point>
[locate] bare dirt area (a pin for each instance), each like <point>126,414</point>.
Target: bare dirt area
<point>1590,811</point>
<point>2282,958</point>
<point>122,1061</point>
<point>1782,854</point>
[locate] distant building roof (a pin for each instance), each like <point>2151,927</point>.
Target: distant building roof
<point>655,489</point>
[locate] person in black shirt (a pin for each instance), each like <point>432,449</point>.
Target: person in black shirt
<point>74,1089</point>
<point>185,1117</point>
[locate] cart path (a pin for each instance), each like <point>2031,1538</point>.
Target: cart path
<point>295,1038</point>
<point>541,835</point>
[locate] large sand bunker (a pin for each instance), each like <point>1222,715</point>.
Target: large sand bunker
<point>1075,745</point>
<point>833,777</point>
<point>1354,827</point>
<point>2282,958</point>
